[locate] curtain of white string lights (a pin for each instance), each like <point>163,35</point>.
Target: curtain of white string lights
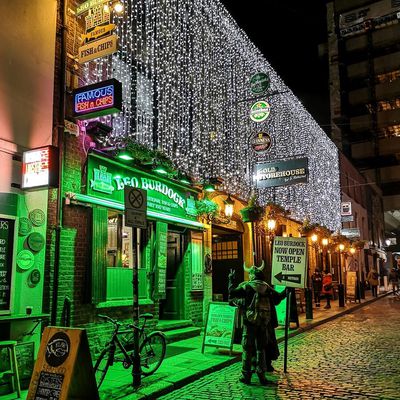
<point>185,67</point>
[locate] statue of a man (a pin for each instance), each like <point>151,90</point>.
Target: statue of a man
<point>258,336</point>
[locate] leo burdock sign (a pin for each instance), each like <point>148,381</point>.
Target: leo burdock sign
<point>63,369</point>
<point>289,261</point>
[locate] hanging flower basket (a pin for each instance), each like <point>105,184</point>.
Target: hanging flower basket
<point>251,214</point>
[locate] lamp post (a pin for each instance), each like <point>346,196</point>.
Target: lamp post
<point>308,289</point>
<point>352,252</point>
<point>341,286</point>
<point>324,242</point>
<point>271,225</point>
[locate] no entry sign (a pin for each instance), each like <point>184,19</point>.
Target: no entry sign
<point>289,262</point>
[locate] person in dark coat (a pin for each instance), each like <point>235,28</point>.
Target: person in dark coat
<point>257,338</point>
<point>316,279</point>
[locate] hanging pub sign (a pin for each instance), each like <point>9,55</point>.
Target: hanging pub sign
<point>259,83</point>
<point>345,208</point>
<point>261,142</point>
<point>98,40</point>
<point>281,173</point>
<point>259,111</point>
<point>99,99</point>
<point>40,168</point>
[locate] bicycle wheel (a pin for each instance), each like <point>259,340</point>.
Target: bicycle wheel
<point>152,352</point>
<point>100,368</point>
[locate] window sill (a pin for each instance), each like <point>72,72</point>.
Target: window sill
<point>123,303</point>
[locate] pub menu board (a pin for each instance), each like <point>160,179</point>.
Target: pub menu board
<point>220,325</point>
<point>64,368</point>
<point>7,229</point>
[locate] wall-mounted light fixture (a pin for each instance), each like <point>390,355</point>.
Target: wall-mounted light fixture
<point>125,155</point>
<point>229,206</point>
<point>225,216</point>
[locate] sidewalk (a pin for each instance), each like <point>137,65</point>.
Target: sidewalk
<point>185,363</point>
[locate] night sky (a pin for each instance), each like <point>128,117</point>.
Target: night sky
<point>288,33</point>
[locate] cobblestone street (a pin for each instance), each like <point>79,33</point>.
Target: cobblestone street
<point>353,357</point>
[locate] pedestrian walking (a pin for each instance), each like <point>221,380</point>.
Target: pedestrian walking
<point>316,279</point>
<point>373,281</point>
<point>327,288</point>
<point>394,280</point>
<point>259,321</point>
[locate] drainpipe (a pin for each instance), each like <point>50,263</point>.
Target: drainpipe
<point>60,144</point>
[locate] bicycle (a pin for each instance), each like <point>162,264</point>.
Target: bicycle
<point>151,349</point>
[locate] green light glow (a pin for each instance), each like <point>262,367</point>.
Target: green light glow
<point>125,156</point>
<point>209,188</point>
<point>119,206</point>
<point>160,170</point>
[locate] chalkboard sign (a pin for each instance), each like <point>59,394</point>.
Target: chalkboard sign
<point>49,386</point>
<point>63,369</point>
<point>7,229</point>
<point>220,325</point>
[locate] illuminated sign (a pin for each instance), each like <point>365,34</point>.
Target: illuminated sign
<point>102,98</point>
<point>281,172</point>
<point>107,180</point>
<point>260,111</point>
<point>40,168</point>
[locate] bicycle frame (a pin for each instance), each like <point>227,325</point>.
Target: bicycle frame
<point>116,342</point>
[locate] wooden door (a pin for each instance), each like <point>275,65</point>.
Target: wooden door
<point>172,307</point>
<point>227,255</point>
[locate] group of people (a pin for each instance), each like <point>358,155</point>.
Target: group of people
<point>322,286</point>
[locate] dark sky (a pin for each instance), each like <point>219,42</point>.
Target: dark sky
<point>288,33</point>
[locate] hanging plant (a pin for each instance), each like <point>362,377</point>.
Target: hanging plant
<point>206,208</point>
<point>307,227</point>
<point>276,211</point>
<point>253,211</point>
<point>140,153</point>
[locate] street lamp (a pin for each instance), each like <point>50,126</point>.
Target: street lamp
<point>341,286</point>
<point>308,289</point>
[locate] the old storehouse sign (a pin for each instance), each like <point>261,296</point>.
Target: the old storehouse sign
<point>102,98</point>
<point>281,173</point>
<point>107,180</point>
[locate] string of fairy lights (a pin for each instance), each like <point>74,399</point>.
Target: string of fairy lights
<point>185,67</point>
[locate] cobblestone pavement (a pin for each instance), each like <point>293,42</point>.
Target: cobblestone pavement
<point>352,357</point>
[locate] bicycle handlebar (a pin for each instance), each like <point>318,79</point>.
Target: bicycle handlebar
<point>109,319</point>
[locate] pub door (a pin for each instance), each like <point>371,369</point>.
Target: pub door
<point>227,254</point>
<point>172,308</point>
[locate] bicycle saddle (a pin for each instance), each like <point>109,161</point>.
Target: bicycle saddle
<point>146,316</point>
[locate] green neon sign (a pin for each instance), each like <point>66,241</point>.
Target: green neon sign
<point>106,180</point>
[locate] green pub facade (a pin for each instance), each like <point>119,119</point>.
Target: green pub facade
<point>98,251</point>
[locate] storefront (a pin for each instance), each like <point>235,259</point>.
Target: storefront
<point>169,252</point>
<point>23,221</point>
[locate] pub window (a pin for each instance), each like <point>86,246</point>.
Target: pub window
<point>225,250</point>
<point>124,248</point>
<point>114,251</point>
